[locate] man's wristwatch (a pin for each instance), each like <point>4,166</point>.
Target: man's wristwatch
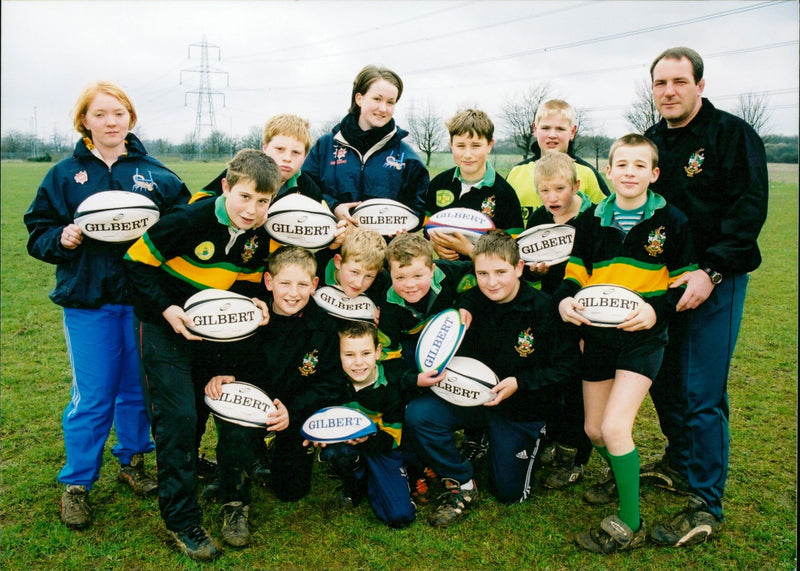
<point>716,277</point>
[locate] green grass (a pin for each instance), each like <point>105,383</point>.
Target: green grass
<point>760,505</point>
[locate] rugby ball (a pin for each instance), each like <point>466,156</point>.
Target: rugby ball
<point>439,341</point>
<point>242,403</point>
<point>116,215</point>
<point>334,301</point>
<point>607,305</point>
<point>466,221</point>
<point>468,382</point>
<point>337,424</point>
<point>298,220</point>
<point>547,243</point>
<point>385,216</point>
<point>219,315</point>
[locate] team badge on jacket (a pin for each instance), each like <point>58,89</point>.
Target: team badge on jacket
<point>204,250</point>
<point>655,242</point>
<point>444,198</point>
<point>309,366</point>
<point>81,177</point>
<point>488,206</point>
<point>525,343</point>
<point>249,249</point>
<point>394,162</point>
<point>142,183</point>
<point>695,162</point>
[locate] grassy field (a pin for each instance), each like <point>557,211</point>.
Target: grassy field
<point>761,498</point>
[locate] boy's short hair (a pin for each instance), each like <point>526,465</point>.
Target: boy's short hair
<point>366,77</point>
<point>288,255</point>
<point>678,54</point>
<point>356,329</point>
<point>250,164</point>
<point>499,244</point>
<point>405,247</point>
<point>633,140</point>
<point>556,164</point>
<point>290,126</point>
<point>556,107</point>
<point>364,246</point>
<point>89,93</point>
<point>472,122</point>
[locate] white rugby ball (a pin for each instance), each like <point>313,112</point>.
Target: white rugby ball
<point>298,220</point>
<point>548,243</point>
<point>219,315</point>
<point>439,340</point>
<point>607,305</point>
<point>468,382</point>
<point>337,303</point>
<point>385,216</point>
<point>242,403</point>
<point>116,215</point>
<point>337,424</point>
<point>466,221</point>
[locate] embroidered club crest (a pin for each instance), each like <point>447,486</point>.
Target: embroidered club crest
<point>655,242</point>
<point>142,183</point>
<point>397,163</point>
<point>249,249</point>
<point>444,198</point>
<point>309,366</point>
<point>339,155</point>
<point>204,250</point>
<point>81,177</point>
<point>695,162</point>
<point>525,343</point>
<point>488,206</point>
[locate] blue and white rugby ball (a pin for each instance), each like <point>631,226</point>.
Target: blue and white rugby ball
<point>439,340</point>
<point>466,221</point>
<point>337,424</point>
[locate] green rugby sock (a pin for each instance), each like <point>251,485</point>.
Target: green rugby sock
<point>626,473</point>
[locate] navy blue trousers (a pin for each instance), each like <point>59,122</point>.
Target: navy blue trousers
<point>513,445</point>
<point>691,391</point>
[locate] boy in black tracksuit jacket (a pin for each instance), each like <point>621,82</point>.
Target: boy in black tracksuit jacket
<point>516,335</point>
<point>294,359</point>
<point>373,465</point>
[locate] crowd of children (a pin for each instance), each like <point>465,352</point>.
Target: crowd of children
<point>565,387</point>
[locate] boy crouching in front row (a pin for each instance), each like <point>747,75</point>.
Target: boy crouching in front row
<point>373,466</point>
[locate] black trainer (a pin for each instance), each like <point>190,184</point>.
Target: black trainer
<point>661,475</point>
<point>235,530</point>
<point>603,492</point>
<point>195,542</point>
<point>453,504</point>
<point>692,525</point>
<point>613,535</point>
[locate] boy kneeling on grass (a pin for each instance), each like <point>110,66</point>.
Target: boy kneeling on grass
<point>373,465</point>
<point>514,332</point>
<point>294,360</point>
<point>633,239</point>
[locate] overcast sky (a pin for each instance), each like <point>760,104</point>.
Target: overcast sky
<point>301,57</point>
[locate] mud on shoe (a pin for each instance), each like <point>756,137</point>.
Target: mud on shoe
<point>661,475</point>
<point>563,471</point>
<point>235,529</point>
<point>135,477</point>
<point>613,535</point>
<point>195,542</point>
<point>603,492</point>
<point>453,504</point>
<point>75,510</point>
<point>692,525</point>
